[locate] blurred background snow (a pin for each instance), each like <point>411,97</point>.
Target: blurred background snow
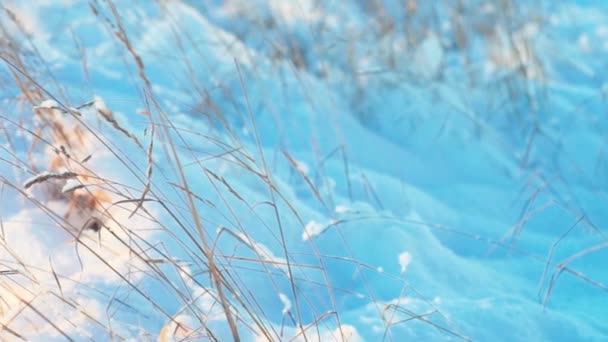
<point>364,170</point>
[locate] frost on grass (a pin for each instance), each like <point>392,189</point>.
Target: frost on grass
<point>301,167</point>
<point>312,229</point>
<point>45,176</point>
<point>47,104</point>
<point>52,104</point>
<point>341,214</point>
<point>71,185</point>
<point>108,115</point>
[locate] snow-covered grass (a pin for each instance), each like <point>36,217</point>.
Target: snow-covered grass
<point>302,170</point>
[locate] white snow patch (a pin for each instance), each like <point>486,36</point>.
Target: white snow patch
<point>99,104</point>
<point>404,260</point>
<point>34,237</point>
<point>294,12</point>
<point>302,167</point>
<point>342,209</point>
<point>286,303</point>
<point>312,229</point>
<point>47,104</point>
<point>71,185</point>
<point>428,57</point>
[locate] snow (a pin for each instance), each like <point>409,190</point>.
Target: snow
<point>48,104</point>
<point>286,303</point>
<point>404,261</point>
<point>342,209</point>
<point>99,104</point>
<point>71,185</point>
<point>260,249</point>
<point>312,229</point>
<point>377,171</point>
<point>428,57</point>
<point>302,167</point>
<point>46,175</point>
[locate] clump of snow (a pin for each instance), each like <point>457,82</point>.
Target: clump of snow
<point>404,260</point>
<point>47,104</point>
<point>341,209</point>
<point>99,104</point>
<point>71,185</point>
<point>312,229</point>
<point>302,167</point>
<point>286,303</point>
